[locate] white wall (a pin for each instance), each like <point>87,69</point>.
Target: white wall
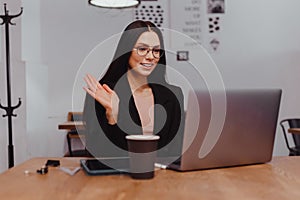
<point>68,34</point>
<point>259,48</point>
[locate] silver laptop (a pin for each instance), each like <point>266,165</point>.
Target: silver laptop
<point>231,128</point>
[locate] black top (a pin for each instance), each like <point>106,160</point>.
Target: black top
<point>103,139</point>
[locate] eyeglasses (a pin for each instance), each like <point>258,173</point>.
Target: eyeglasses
<point>143,51</point>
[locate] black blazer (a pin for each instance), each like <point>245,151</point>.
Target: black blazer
<point>103,139</point>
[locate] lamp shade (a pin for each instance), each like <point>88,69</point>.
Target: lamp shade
<point>114,3</point>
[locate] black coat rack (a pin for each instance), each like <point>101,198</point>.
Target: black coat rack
<point>9,108</point>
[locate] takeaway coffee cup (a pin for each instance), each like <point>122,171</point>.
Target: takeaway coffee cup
<point>142,154</point>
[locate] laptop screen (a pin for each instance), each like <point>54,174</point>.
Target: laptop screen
<point>235,127</point>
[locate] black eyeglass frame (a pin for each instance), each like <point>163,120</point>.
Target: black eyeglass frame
<point>161,52</point>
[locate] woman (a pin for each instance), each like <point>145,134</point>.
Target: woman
<point>133,97</point>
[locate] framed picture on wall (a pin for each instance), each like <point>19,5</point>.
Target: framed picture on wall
<point>215,6</point>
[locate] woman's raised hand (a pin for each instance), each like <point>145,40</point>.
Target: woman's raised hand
<point>105,96</point>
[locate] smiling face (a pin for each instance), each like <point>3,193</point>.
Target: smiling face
<point>143,65</point>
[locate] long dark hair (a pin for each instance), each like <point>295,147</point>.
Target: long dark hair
<point>120,62</point>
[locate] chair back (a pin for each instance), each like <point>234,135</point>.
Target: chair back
<point>295,123</point>
<point>291,123</point>
<point>76,134</point>
<point>75,116</point>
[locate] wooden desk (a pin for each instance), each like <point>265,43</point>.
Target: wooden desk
<point>279,179</point>
<point>294,130</point>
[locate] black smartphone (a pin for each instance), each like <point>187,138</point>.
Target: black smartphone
<point>105,166</point>
<point>52,163</point>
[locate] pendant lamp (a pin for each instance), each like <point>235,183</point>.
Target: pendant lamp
<point>119,4</point>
